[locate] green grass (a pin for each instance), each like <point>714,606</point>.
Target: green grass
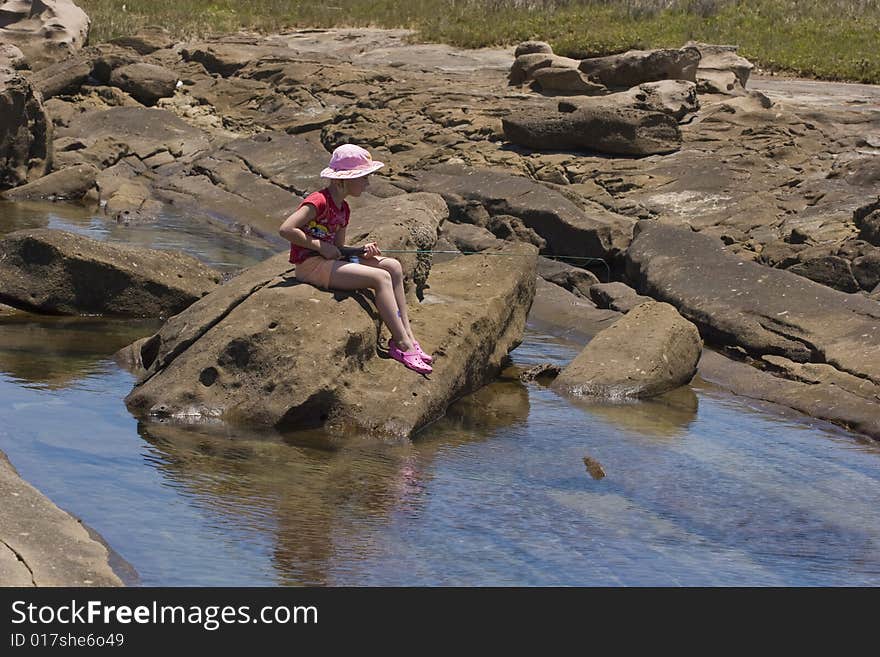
<point>835,39</point>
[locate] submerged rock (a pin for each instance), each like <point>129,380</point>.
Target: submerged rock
<point>649,351</point>
<point>61,273</point>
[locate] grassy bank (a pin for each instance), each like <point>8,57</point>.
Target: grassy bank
<point>835,39</point>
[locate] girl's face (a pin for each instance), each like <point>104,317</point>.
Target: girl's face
<point>357,186</point>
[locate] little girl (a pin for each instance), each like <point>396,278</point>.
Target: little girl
<point>316,231</point>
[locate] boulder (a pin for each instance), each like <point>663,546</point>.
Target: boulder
<point>574,279</point>
<point>471,238</point>
<point>46,31</point>
<point>867,220</point>
<point>829,270</point>
<point>568,229</point>
<point>12,57</point>
<point>526,65</point>
<point>513,229</point>
<point>565,80</point>
<point>616,296</point>
<point>529,47</point>
<point>61,273</point>
<point>678,98</point>
<point>71,184</point>
<point>650,350</point>
<point>64,77</point>
<point>761,310</point>
<point>594,126</point>
<point>721,70</point>
<point>291,356</point>
<point>25,132</point>
<point>146,83</point>
<point>866,269</point>
<point>637,66</point>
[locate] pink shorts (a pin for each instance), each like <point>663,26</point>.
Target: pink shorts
<point>316,271</point>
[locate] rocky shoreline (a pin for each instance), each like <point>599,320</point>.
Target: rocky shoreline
<point>755,221</point>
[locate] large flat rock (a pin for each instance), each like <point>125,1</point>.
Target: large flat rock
<point>41,545</point>
<point>760,309</point>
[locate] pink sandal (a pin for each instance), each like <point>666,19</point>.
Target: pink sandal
<point>427,358</point>
<point>409,359</point>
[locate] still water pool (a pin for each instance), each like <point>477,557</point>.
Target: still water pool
<point>701,487</point>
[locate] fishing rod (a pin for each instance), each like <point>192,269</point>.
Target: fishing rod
<point>358,252</point>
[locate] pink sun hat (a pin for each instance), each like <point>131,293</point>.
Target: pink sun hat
<point>350,161</point>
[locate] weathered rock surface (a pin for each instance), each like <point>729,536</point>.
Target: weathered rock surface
<point>564,80</point>
<point>568,229</point>
<point>146,83</point>
<point>650,350</point>
<point>46,31</point>
<point>25,132</point>
<point>616,296</point>
<point>762,310</point>
<point>62,77</point>
<point>677,98</point>
<point>637,66</point>
<point>830,270</point>
<point>41,545</point>
<point>470,238</point>
<point>251,182</point>
<point>597,126</point>
<point>145,132</point>
<point>12,57</point>
<point>55,272</point>
<point>721,70</point>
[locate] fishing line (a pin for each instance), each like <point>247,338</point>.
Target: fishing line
<point>358,251</point>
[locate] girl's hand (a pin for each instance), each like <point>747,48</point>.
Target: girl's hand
<point>329,251</point>
<point>371,250</point>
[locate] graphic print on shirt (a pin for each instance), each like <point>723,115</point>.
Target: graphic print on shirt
<point>318,230</point>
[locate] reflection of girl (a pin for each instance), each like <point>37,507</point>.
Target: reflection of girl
<point>316,230</point>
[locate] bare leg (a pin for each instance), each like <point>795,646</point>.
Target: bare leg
<point>351,276</point>
<point>393,267</point>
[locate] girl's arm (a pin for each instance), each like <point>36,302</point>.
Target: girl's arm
<point>339,238</point>
<point>292,231</point>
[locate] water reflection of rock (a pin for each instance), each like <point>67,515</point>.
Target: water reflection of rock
<point>56,351</point>
<point>39,214</point>
<point>667,415</point>
<point>322,498</point>
<point>502,403</point>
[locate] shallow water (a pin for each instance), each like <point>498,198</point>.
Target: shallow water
<point>701,488</point>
